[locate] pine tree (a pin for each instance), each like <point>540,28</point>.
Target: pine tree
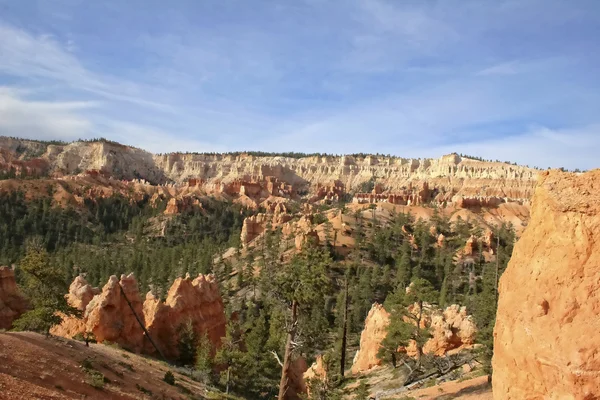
<point>45,287</point>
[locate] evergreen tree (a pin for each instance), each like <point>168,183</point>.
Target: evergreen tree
<point>45,287</point>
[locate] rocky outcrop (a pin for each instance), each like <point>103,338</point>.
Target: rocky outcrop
<point>316,370</point>
<point>451,329</point>
<point>107,314</point>
<point>12,303</point>
<point>546,335</point>
<point>470,246</point>
<point>371,337</point>
<point>255,225</point>
<point>198,301</point>
<point>177,205</point>
<point>81,293</point>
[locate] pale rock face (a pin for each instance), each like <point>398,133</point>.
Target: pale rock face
<point>479,183</point>
<point>12,303</point>
<point>81,293</point>
<point>371,337</point>
<point>546,337</point>
<point>198,301</point>
<point>451,329</point>
<point>316,371</point>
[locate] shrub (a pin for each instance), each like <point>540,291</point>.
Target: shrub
<point>169,378</point>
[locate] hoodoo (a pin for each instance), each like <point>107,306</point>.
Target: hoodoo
<point>546,335</point>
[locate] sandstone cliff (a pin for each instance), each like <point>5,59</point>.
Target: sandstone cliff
<point>546,337</point>
<point>12,303</point>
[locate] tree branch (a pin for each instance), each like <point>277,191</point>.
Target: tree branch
<point>277,358</point>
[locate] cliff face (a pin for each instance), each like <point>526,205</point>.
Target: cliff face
<point>12,303</point>
<point>475,182</point>
<point>546,337</point>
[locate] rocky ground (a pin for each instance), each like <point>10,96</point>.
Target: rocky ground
<point>471,389</point>
<point>35,367</point>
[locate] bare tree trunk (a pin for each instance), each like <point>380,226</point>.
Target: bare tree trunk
<point>287,360</point>
<point>344,333</point>
<point>418,344</point>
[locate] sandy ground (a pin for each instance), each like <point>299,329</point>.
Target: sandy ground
<point>35,367</point>
<point>476,388</point>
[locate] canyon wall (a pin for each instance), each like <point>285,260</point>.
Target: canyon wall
<point>326,177</point>
<point>546,337</point>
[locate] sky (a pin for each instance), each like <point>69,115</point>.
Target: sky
<point>515,80</point>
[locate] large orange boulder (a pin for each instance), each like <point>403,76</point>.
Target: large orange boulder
<point>12,303</point>
<point>198,301</point>
<point>546,341</point>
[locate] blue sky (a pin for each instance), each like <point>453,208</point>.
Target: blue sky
<point>513,80</point>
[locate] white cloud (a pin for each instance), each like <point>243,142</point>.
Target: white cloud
<point>40,119</point>
<point>540,147</point>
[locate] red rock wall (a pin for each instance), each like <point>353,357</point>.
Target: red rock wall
<point>546,338</point>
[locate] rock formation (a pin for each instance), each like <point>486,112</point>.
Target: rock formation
<point>371,337</point>
<point>198,301</point>
<point>110,318</point>
<point>470,246</point>
<point>12,303</point>
<point>81,293</point>
<point>451,329</point>
<point>316,370</point>
<point>177,205</point>
<point>546,337</point>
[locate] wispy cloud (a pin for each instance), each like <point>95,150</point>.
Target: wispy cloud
<point>40,119</point>
<point>42,57</point>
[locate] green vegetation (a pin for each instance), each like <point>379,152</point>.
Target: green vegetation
<point>284,303</point>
